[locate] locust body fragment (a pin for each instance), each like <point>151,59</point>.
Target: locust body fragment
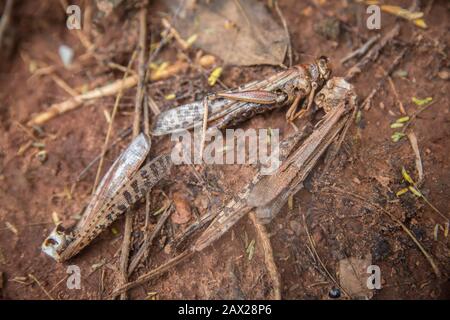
<point>122,186</point>
<point>231,107</point>
<point>299,153</point>
<point>338,100</point>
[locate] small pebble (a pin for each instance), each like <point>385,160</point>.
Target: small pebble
<point>334,293</point>
<point>42,156</point>
<point>444,74</point>
<point>66,54</point>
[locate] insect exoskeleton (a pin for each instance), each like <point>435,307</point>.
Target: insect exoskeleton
<point>335,91</point>
<point>323,64</point>
<point>55,242</point>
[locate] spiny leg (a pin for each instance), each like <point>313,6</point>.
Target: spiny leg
<point>312,93</point>
<point>293,108</point>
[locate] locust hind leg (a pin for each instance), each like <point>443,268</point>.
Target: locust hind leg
<point>302,112</point>
<point>293,108</point>
<point>253,96</point>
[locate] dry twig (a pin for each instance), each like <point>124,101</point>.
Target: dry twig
<point>268,256</point>
<point>394,90</point>
<point>124,257</point>
<point>415,146</point>
<point>41,286</point>
<point>286,31</point>
<point>393,218</point>
<point>317,257</point>
<point>149,240</point>
<point>107,90</point>
<point>4,21</point>
<point>373,53</point>
<point>361,50</point>
<point>367,101</point>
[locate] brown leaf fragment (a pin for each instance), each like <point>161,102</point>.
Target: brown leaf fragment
<point>353,276</point>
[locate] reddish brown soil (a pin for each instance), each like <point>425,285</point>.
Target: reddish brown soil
<point>369,165</point>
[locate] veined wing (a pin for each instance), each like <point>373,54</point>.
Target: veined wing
<point>237,207</point>
<point>121,170</point>
<point>129,192</point>
<point>299,163</point>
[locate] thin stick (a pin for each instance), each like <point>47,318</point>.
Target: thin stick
<point>373,53</point>
<point>59,282</point>
<point>268,256</point>
<point>415,114</point>
<point>286,31</point>
<point>367,101</point>
<point>316,255</point>
<point>113,116</point>
<point>153,106</point>
<point>155,272</point>
<point>361,50</point>
<point>125,253</point>
<point>404,227</point>
<point>394,90</point>
<point>107,90</point>
<point>415,146</point>
<point>5,19</point>
<point>40,286</point>
<point>148,242</point>
<point>63,85</point>
<point>147,196</point>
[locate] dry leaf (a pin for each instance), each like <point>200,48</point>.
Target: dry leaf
<point>353,277</point>
<point>239,32</point>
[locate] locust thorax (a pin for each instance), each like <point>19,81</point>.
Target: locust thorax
<point>56,242</point>
<point>334,92</point>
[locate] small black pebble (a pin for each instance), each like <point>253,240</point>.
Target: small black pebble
<point>334,293</point>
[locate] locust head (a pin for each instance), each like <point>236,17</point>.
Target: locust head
<point>334,92</point>
<point>55,242</point>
